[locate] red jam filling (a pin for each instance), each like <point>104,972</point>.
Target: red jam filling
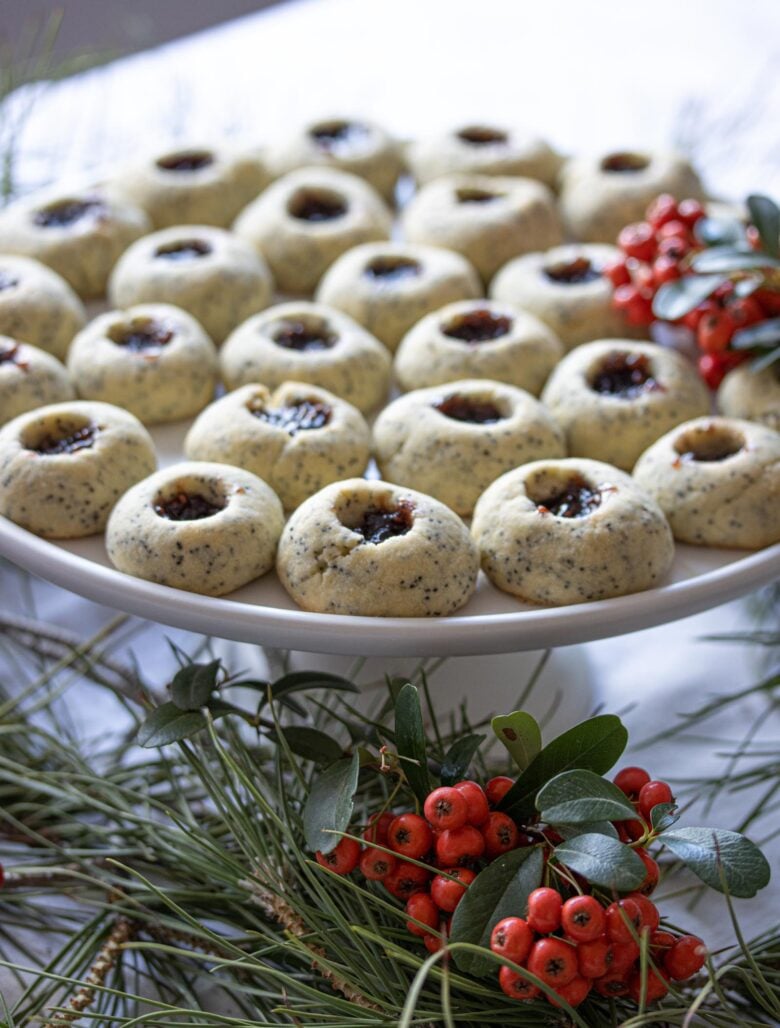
<point>392,269</point>
<point>626,375</point>
<point>67,212</point>
<point>482,135</point>
<point>141,335</point>
<point>624,162</point>
<point>477,326</point>
<point>303,336</point>
<point>577,499</point>
<point>187,160</point>
<point>315,205</point>
<point>380,523</point>
<point>302,416</point>
<point>465,408</point>
<point>81,439</point>
<point>183,250</point>
<point>333,136</point>
<point>187,507</point>
<point>572,272</point>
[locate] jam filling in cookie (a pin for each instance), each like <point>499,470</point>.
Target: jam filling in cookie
<point>55,445</point>
<point>185,506</point>
<point>141,335</point>
<point>392,269</point>
<point>471,409</point>
<point>183,250</point>
<point>381,523</point>
<point>469,195</point>
<point>305,335</point>
<point>67,212</point>
<point>624,375</point>
<point>7,281</point>
<point>624,162</point>
<point>572,272</point>
<point>186,160</point>
<point>708,445</point>
<point>482,135</point>
<point>10,355</point>
<point>576,499</point>
<point>334,136</point>
<point>477,326</point>
<point>317,205</point>
<point>302,416</point>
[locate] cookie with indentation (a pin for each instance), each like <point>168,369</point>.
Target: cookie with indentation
<point>37,305</point>
<point>63,467</point>
<point>204,527</point>
<point>80,235</point>
<point>452,441</point>
<point>349,144</point>
<point>212,274</point>
<point>478,339</point>
<point>484,149</point>
<point>305,220</point>
<point>566,288</point>
<point>614,397</point>
<point>308,342</point>
<point>194,184</point>
<point>488,219</point>
<point>752,395</point>
<point>379,550</point>
<point>389,286</point>
<point>298,439</point>
<point>29,378</point>
<point>571,531</point>
<point>153,359</point>
<point>602,193</point>
<point>718,482</point>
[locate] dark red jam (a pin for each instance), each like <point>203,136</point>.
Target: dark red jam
<point>482,135</point>
<point>317,205</point>
<point>466,408</point>
<point>392,269</point>
<point>187,507</point>
<point>577,499</point>
<point>183,250</point>
<point>624,162</point>
<point>626,375</point>
<point>81,439</point>
<point>476,196</point>
<point>141,335</point>
<point>67,212</point>
<point>7,281</point>
<point>9,354</point>
<point>477,326</point>
<point>380,523</point>
<point>305,336</point>
<point>572,272</point>
<point>186,160</point>
<point>339,135</point>
<point>296,417</point>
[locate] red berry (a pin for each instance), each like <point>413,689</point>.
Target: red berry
<point>744,311</point>
<point>500,834</point>
<point>433,943</point>
<point>675,247</point>
<point>476,800</point>
<point>660,940</point>
<point>715,331</point>
<point>457,845</point>
<point>713,367</point>
<point>769,300</point>
<point>574,993</point>
<point>638,309</point>
<point>447,894</point>
<point>685,958</point>
<point>653,874</point>
<point>690,211</point>
<point>662,210</point>
<point>692,318</point>
<point>655,986</point>
<point>637,240</point>
<point>624,919</point>
<point>497,788</point>
<point>617,272</point>
<point>409,835</point>
<point>630,780</point>
<point>582,918</point>
<point>376,831</point>
<point>592,958</point>
<point>512,938</point>
<point>406,879</point>
<point>377,864</point>
<point>622,957</point>
<point>665,269</point>
<point>553,961</point>
<point>649,911</point>
<point>674,229</point>
<point>446,808</point>
<point>642,276</point>
<point>516,986</point>
<point>421,907</point>
<point>341,860</point>
<point>612,984</point>
<point>544,910</point>
<point>651,794</point>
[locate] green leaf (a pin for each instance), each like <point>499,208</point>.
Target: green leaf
<point>410,740</point>
<point>594,745</point>
<point>501,890</point>
<point>765,215</point>
<point>748,286</point>
<point>458,758</point>
<point>729,258</point>
<point>330,803</point>
<point>312,744</point>
<point>521,735</point>
<point>589,828</point>
<point>603,861</point>
<point>218,708</point>
<point>576,797</point>
<point>675,299</point>
<point>765,333</point>
<point>305,681</point>
<point>719,231</point>
<point>169,723</point>
<point>707,851</point>
<point>193,685</point>
<point>663,816</point>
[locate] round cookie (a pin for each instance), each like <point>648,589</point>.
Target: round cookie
<point>208,528</point>
<point>79,235</point>
<point>154,360</point>
<point>484,150</point>
<point>37,305</point>
<point>718,482</point>
<point>193,185</point>
<point>388,287</point>
<point>353,145</point>
<point>215,276</point>
<point>752,395</point>
<point>308,218</point>
<point>29,378</point>
<point>600,194</point>
<point>478,339</point>
<point>378,550</point>
<point>452,441</point>
<point>571,531</point>
<point>63,467</point>
<point>488,219</point>
<point>614,397</point>
<point>565,288</point>
<point>298,439</point>
<point>308,342</point>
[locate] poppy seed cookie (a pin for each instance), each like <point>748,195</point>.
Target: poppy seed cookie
<point>29,378</point>
<point>37,305</point>
<point>752,395</point>
<point>377,550</point>
<point>571,531</point>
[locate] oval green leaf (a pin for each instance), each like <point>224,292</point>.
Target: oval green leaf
<point>193,685</point>
<point>765,215</point>
<point>603,861</point>
<point>675,299</point>
<point>305,681</point>
<point>765,333</point>
<point>169,723</point>
<point>727,259</point>
<point>576,797</point>
<point>521,734</point>
<point>707,851</point>
<point>410,740</point>
<point>330,803</point>
<point>459,756</point>
<point>312,744</point>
